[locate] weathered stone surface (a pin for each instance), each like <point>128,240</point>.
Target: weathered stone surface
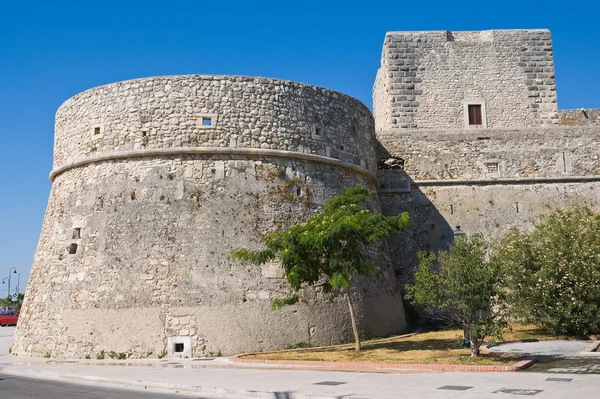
<point>525,159</point>
<point>150,266</point>
<point>579,117</point>
<point>426,76</point>
<point>156,179</point>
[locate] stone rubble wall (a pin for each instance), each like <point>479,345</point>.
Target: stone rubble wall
<point>449,178</point>
<point>133,253</point>
<point>516,153</point>
<point>490,209</point>
<point>248,112</point>
<point>579,117</point>
<point>425,77</point>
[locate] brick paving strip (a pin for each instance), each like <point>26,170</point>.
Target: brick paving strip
<point>380,367</point>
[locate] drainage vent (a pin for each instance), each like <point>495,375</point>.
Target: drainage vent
<point>179,348</point>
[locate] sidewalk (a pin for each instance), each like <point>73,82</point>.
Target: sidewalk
<point>222,378</point>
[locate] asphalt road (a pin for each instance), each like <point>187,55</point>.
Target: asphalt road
<point>14,387</point>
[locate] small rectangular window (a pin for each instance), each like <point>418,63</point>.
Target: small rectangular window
<point>77,233</point>
<point>178,348</point>
<point>475,114</point>
<point>317,131</point>
<point>492,167</point>
<point>206,121</point>
<point>96,131</point>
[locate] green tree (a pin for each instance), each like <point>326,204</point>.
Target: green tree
<point>462,286</point>
<point>329,248</point>
<point>553,271</point>
<point>9,303</point>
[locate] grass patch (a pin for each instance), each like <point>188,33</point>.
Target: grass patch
<point>526,331</point>
<point>437,347</point>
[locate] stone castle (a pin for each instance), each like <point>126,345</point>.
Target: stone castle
<point>156,179</point>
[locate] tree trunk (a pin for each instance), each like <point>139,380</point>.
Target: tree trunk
<point>354,327</point>
<point>474,348</point>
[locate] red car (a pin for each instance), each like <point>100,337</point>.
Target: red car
<point>9,318</point>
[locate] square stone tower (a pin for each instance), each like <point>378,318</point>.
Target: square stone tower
<point>456,80</point>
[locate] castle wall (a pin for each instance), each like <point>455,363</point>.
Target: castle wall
<point>487,181</point>
<point>495,153</point>
<point>427,79</point>
<point>247,112</point>
<point>579,117</point>
<point>491,209</point>
<point>133,254</point>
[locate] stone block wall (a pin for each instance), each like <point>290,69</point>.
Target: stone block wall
<point>148,199</point>
<point>494,153</point>
<point>427,78</point>
<point>213,111</point>
<point>486,181</point>
<point>491,209</point>
<point>579,117</point>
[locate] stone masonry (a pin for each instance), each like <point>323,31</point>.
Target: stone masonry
<point>426,78</point>
<point>155,180</point>
<point>524,159</point>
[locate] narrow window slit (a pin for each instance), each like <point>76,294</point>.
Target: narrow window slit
<point>72,249</point>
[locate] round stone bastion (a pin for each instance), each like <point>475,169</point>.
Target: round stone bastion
<point>155,180</point>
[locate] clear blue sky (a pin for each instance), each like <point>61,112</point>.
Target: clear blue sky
<point>51,50</point>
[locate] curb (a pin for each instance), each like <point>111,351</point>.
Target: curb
<point>380,367</point>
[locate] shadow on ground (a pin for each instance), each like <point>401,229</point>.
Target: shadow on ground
<point>565,364</point>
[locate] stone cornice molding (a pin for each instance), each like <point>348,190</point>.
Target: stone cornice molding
<point>222,151</point>
<point>489,182</point>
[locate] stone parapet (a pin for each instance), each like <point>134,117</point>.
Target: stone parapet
<point>579,117</point>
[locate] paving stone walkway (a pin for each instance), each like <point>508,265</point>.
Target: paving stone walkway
<point>221,378</point>
<point>571,357</point>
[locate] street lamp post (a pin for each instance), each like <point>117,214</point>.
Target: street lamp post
<point>19,283</point>
<point>15,271</point>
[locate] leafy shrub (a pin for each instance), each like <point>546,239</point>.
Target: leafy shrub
<point>462,286</point>
<point>553,271</point>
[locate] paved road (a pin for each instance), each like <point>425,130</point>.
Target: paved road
<point>14,387</point>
